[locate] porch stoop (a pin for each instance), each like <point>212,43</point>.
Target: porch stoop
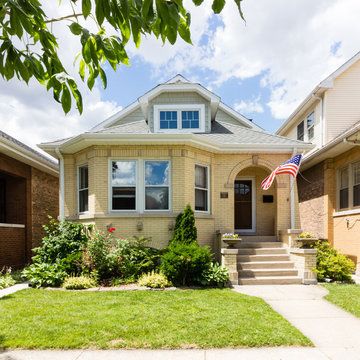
<point>260,262</point>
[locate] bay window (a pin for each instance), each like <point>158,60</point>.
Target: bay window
<point>201,188</point>
<point>83,188</point>
<point>140,185</point>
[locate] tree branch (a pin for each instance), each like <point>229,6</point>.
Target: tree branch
<point>63,18</point>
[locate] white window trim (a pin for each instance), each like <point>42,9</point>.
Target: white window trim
<point>310,127</point>
<point>139,186</point>
<point>208,188</point>
<point>111,210</point>
<point>179,108</point>
<point>78,188</point>
<point>253,201</point>
<point>306,128</point>
<point>351,184</point>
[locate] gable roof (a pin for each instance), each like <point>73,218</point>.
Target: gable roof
<point>176,84</point>
<point>25,154</point>
<point>327,83</point>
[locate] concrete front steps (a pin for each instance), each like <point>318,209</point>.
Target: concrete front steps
<point>263,261</point>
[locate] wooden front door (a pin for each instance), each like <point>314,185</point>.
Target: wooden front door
<point>243,205</point>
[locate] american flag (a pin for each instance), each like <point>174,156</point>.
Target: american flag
<point>288,167</point>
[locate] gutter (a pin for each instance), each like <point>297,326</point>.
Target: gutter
<point>62,183</point>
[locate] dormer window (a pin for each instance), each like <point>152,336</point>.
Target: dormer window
<point>179,118</point>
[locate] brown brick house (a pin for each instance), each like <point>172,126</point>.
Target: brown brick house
<point>28,193</point>
<point>329,191</point>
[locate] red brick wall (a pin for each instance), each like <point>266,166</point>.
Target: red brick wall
<point>12,247</point>
<point>45,201</point>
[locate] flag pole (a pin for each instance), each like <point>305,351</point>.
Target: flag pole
<point>292,193</point>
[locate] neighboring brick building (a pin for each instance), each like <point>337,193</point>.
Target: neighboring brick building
<point>329,188</point>
<point>28,193</point>
<point>177,145</point>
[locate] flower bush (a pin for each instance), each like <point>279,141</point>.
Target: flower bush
<point>332,265</point>
<point>230,236</point>
<point>79,282</point>
<point>154,280</point>
<point>306,235</point>
<point>6,279</point>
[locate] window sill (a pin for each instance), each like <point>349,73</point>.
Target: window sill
<point>12,225</point>
<point>135,215</point>
<point>346,212</point>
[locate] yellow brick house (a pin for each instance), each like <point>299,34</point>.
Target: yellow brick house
<point>178,144</point>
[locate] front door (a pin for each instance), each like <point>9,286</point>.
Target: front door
<point>243,205</point>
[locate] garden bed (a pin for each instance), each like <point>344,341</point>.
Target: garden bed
<point>209,318</point>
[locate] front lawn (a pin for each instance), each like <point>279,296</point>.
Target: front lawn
<point>209,318</point>
<point>347,296</point>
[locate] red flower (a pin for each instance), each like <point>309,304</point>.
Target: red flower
<point>111,230</point>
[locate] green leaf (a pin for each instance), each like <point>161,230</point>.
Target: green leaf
<point>197,2</point>
<point>184,31</point>
<point>75,28</point>
<point>103,77</point>
<point>135,31</point>
<point>238,3</point>
<point>86,52</point>
<point>99,11</point>
<point>66,99</point>
<point>82,70</point>
<point>171,35</point>
<point>86,8</point>
<point>22,70</point>
<point>146,8</point>
<point>218,5</point>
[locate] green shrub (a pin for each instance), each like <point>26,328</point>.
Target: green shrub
<point>79,282</point>
<point>6,279</point>
<point>183,264</point>
<point>185,231</point>
<point>119,258</point>
<point>215,275</point>
<point>63,244</point>
<point>43,274</point>
<point>332,265</point>
<point>154,280</point>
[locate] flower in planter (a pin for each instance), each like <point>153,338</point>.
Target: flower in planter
<point>230,236</point>
<point>306,235</point>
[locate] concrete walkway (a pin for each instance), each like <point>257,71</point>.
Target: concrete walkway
<point>13,289</point>
<point>335,332</point>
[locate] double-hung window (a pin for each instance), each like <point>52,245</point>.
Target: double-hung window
<point>140,185</point>
<point>356,184</point>
<point>83,195</point>
<point>300,131</point>
<point>123,185</point>
<point>310,125</point>
<point>157,185</point>
<point>201,188</point>
<point>344,188</point>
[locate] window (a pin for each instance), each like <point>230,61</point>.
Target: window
<point>344,188</point>
<point>83,188</point>
<point>179,118</point>
<point>190,119</point>
<point>156,185</point>
<point>168,119</point>
<point>300,131</point>
<point>310,125</point>
<point>356,184</point>
<point>2,201</point>
<point>201,188</point>
<point>123,184</point>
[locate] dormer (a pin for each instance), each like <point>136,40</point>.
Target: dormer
<point>179,106</point>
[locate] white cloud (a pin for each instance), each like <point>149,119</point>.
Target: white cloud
<point>249,106</point>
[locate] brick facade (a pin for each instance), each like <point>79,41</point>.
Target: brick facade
<point>31,195</point>
<point>224,169</point>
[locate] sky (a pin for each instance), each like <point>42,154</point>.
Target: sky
<point>263,68</point>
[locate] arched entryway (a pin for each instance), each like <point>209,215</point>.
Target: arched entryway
<point>255,210</point>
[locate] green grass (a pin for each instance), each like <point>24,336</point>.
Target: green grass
<point>210,318</point>
<point>346,296</point>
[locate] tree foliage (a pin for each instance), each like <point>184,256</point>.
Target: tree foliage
<point>29,48</point>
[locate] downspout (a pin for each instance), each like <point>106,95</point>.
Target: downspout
<point>62,184</point>
<point>322,124</point>
<point>292,196</point>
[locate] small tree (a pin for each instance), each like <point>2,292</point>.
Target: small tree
<point>185,231</point>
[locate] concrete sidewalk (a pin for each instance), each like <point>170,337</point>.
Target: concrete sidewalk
<point>335,332</point>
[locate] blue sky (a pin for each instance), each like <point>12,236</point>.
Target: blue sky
<point>263,68</point>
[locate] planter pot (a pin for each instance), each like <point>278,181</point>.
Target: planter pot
<point>231,242</point>
<point>306,242</point>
